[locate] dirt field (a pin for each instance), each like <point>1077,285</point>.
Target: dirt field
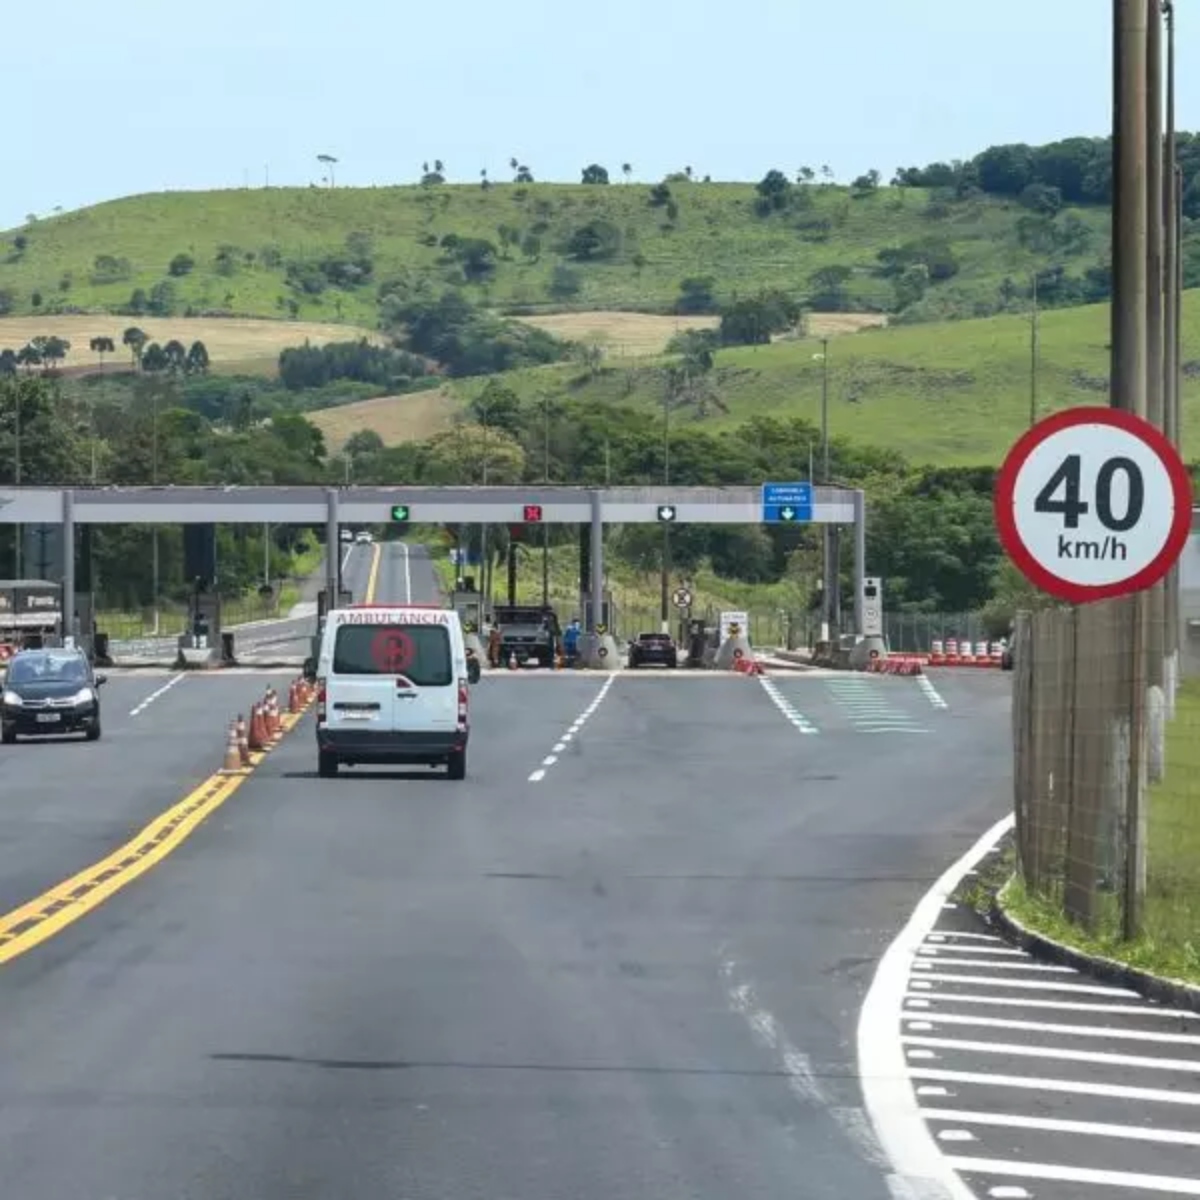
<point>229,340</point>
<point>395,418</point>
<point>626,334</point>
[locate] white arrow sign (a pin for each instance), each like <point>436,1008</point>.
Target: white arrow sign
<point>666,512</point>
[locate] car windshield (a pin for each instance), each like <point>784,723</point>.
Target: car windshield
<point>421,653</point>
<point>47,668</point>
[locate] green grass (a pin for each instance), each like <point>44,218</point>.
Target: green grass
<point>716,233</point>
<point>956,393</point>
<point>1170,942</point>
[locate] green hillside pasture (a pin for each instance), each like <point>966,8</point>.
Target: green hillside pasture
<point>716,233</point>
<point>952,394</point>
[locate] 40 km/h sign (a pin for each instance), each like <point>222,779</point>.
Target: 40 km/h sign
<point>1093,503</point>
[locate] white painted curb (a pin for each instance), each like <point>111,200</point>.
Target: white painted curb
<point>888,1095</point>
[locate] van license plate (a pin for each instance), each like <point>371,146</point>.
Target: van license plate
<point>49,718</point>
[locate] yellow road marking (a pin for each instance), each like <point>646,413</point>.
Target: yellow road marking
<point>373,574</point>
<point>51,912</point>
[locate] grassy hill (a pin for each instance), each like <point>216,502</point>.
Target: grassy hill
<point>242,245</point>
<point>956,393</point>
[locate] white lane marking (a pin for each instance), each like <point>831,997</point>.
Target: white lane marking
<point>1136,1133</point>
<point>1149,1062</point>
<point>797,1067</point>
<point>540,774</point>
<point>1009,1193</point>
<point>1140,1010</point>
<point>932,694</point>
<point>946,934</point>
<point>883,1069</point>
<point>1033,985</point>
<point>925,964</point>
<point>927,1021</point>
<point>1123,1179</point>
<point>1074,1087</point>
<point>943,949</point>
<point>956,1135</point>
<point>150,699</point>
<point>559,747</point>
<point>798,719</point>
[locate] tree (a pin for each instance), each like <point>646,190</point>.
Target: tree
<point>136,340</point>
<point>524,175</point>
<point>328,162</point>
<point>154,359</point>
<point>181,264</point>
<point>627,171</point>
<point>101,346</point>
<point>471,454</point>
<point>8,363</point>
<point>597,241</point>
<point>197,359</point>
<point>696,295</point>
<point>774,193</point>
<point>175,356</point>
<point>595,174</point>
<point>497,407</point>
<point>51,350</point>
<point>29,357</point>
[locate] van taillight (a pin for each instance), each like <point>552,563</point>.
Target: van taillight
<point>320,699</point>
<point>462,704</point>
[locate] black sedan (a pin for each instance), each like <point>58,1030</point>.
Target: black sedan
<point>653,649</point>
<point>50,693</point>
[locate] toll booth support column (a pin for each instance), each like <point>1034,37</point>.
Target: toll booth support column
<point>860,559</point>
<point>596,597</point>
<point>68,573</point>
<point>333,550</point>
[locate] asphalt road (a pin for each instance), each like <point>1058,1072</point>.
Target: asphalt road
<point>623,958</point>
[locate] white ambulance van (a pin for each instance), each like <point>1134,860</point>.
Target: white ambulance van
<point>392,688</point>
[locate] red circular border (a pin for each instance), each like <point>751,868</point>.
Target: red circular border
<point>392,637</point>
<point>1005,492</point>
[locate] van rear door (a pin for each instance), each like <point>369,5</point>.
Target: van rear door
<point>397,676</point>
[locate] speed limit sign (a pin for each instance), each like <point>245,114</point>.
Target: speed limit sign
<point>1092,503</point>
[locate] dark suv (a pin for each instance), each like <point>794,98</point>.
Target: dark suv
<point>656,648</point>
<point>50,692</point>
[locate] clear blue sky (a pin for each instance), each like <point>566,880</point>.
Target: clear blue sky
<point>138,96</point>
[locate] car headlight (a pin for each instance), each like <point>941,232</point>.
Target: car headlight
<point>12,699</point>
<point>83,696</point>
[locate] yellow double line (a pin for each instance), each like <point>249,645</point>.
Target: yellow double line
<point>51,912</point>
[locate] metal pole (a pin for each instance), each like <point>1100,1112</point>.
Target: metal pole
<point>1156,650</point>
<point>266,554</point>
<point>333,550</point>
<point>664,613</point>
<point>1033,355</point>
<point>20,529</point>
<point>1171,250</point>
<point>860,560</point>
<point>546,480</point>
<point>597,571</point>
<point>68,566</point>
<point>827,568</point>
<point>1128,373</point>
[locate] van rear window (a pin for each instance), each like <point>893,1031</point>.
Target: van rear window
<point>421,653</point>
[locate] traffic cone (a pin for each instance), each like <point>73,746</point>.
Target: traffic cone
<point>512,660</point>
<point>258,738</point>
<point>293,698</point>
<point>233,760</point>
<point>272,715</point>
<point>243,741</point>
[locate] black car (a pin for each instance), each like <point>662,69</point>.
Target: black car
<point>50,692</point>
<point>653,648</point>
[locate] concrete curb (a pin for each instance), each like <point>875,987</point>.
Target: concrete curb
<point>1174,993</point>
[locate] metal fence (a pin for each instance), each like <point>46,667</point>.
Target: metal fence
<point>1107,824</point>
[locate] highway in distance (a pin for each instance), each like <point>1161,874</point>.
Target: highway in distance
<point>624,958</point>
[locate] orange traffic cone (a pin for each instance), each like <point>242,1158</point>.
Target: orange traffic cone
<point>270,715</point>
<point>512,660</point>
<point>243,741</point>
<point>233,759</point>
<point>257,740</point>
<point>293,698</point>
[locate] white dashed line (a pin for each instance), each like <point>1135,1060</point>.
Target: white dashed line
<point>150,699</point>
<point>559,746</point>
<point>934,696</point>
<point>798,719</point>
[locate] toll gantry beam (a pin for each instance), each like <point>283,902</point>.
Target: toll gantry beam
<point>335,506</point>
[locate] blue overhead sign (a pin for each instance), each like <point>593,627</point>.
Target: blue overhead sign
<point>787,502</point>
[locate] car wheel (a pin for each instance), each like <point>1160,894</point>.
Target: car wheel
<point>456,765</point>
<point>327,764</point>
<point>93,731</point>
<point>8,736</point>
<point>672,663</point>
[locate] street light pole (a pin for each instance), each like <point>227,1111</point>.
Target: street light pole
<point>664,582</point>
<point>829,567</point>
<point>1033,355</point>
<point>545,480</point>
<point>20,529</point>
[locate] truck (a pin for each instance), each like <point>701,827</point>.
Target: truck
<point>30,612</point>
<point>528,631</point>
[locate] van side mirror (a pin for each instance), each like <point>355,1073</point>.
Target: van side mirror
<point>310,668</point>
<point>101,680</point>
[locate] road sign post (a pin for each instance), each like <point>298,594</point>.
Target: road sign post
<point>787,503</point>
<point>1093,503</point>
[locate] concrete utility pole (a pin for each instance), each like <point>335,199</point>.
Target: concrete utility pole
<point>1156,649</point>
<point>1129,362</point>
<point>1171,313</point>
